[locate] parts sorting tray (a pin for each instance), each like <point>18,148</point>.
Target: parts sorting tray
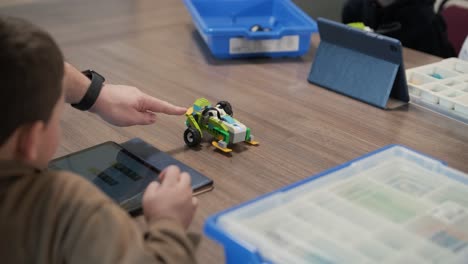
<point>441,87</point>
<point>249,28</point>
<point>394,205</point>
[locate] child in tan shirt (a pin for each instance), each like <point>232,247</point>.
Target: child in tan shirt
<point>57,217</point>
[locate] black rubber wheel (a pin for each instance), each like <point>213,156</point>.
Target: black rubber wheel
<point>192,137</point>
<point>226,106</point>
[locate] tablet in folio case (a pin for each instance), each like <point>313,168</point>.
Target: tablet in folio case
<point>123,171</point>
<point>363,65</point>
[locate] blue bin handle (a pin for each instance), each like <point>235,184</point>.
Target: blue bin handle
<point>273,34</point>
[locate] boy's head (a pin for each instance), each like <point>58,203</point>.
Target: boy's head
<point>31,74</point>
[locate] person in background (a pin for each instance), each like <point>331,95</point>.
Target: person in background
<point>413,22</point>
<point>58,217</point>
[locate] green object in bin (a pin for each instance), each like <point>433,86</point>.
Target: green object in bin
<point>360,25</point>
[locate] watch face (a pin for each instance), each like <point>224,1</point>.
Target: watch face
<point>91,73</point>
<point>87,73</point>
<point>96,73</point>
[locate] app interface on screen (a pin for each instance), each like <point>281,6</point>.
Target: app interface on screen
<point>110,168</point>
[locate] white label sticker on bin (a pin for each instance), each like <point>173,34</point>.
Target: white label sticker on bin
<point>242,45</point>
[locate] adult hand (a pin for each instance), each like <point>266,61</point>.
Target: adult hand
<point>123,105</point>
<point>172,199</point>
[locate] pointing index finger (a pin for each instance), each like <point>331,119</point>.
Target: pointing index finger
<point>160,106</point>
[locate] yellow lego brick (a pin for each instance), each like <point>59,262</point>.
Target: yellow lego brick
<point>225,150</point>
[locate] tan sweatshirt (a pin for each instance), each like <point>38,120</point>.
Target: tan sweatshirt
<point>58,217</point>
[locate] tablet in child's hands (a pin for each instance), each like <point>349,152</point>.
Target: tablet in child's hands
<point>123,172</point>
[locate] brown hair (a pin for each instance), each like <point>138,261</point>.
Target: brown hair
<point>31,73</point>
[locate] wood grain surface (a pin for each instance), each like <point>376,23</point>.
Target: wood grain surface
<point>303,129</point>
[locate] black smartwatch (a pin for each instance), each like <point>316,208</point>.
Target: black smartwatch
<point>88,100</point>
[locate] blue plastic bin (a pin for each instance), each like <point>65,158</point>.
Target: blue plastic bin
<point>393,205</point>
<point>226,27</point>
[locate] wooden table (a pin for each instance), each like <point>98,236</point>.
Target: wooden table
<point>303,129</point>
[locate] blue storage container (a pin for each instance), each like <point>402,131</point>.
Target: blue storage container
<point>393,205</point>
<point>251,28</point>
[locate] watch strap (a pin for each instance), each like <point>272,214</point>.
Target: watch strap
<point>88,100</point>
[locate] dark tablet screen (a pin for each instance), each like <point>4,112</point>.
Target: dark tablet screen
<point>124,171</point>
<point>117,172</point>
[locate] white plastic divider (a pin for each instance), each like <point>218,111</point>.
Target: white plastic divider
<point>441,87</point>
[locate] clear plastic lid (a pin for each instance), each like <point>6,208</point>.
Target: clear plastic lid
<point>396,206</point>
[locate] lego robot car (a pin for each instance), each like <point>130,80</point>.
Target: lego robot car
<point>217,121</point>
